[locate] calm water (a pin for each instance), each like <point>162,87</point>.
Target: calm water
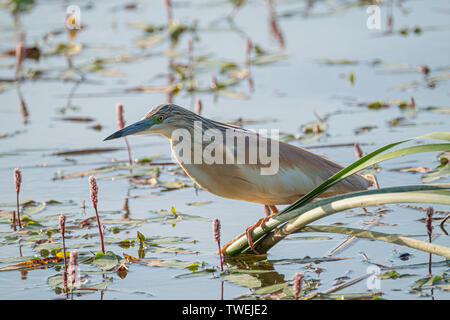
<point>286,95</point>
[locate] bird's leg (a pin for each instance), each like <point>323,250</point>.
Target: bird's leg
<point>270,211</point>
<point>249,231</point>
<point>274,211</point>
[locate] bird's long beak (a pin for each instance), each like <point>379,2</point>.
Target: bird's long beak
<point>135,128</point>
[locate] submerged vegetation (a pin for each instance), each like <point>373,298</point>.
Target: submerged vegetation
<point>148,221</point>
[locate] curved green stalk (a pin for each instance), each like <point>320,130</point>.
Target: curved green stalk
<point>371,159</point>
<point>300,217</point>
<point>241,244</point>
<point>380,236</point>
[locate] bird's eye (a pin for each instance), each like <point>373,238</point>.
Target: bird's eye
<point>160,118</point>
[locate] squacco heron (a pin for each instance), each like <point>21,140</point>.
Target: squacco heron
<point>231,170</point>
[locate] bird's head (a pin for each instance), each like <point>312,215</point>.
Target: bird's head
<point>162,119</point>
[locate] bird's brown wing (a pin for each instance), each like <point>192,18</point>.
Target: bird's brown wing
<point>299,172</point>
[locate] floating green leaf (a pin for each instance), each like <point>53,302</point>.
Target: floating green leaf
<point>244,280</point>
<point>271,289</point>
<point>106,261</point>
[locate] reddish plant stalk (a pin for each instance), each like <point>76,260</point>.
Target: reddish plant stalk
<point>358,151</point>
<point>130,160</point>
<point>14,219</point>
<point>121,125</point>
<point>94,198</point>
<point>191,64</point>
<point>248,62</point>
<point>18,182</point>
<point>169,10</point>
<point>64,278</point>
<point>216,232</point>
<point>412,103</point>
<point>428,223</point>
<point>20,53</point>
<point>62,226</point>
<point>199,106</point>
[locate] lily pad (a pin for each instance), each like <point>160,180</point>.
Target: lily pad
<point>244,280</point>
<point>106,261</point>
<point>271,289</point>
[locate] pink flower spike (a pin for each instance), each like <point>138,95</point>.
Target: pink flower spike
<point>216,230</point>
<point>297,287</point>
<point>216,233</point>
<point>17,179</point>
<point>94,197</point>
<point>62,223</point>
<point>73,267</point>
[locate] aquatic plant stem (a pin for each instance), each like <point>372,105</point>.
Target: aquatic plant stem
<point>13,213</point>
<point>130,160</point>
<point>300,217</point>
<point>199,107</point>
<point>18,182</point>
<point>18,214</point>
<point>429,225</point>
<point>121,125</point>
<point>62,226</point>
<point>20,55</point>
<point>337,206</point>
<point>100,230</point>
<point>19,221</point>
<point>359,154</point>
<point>94,198</point>
<point>240,243</point>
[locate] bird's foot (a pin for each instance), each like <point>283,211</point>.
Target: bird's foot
<point>273,209</point>
<point>248,232</point>
<point>265,219</point>
<point>261,223</point>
